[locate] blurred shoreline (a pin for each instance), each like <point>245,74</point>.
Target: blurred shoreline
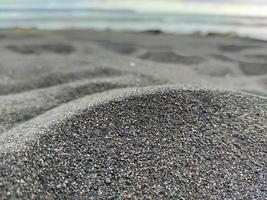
<point>147,31</point>
<point>125,20</point>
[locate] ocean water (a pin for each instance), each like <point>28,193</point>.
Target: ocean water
<point>248,26</point>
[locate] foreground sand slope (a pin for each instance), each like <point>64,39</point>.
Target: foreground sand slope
<point>164,142</point>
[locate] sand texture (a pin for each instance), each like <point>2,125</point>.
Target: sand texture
<point>108,115</point>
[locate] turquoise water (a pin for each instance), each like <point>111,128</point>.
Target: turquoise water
<point>255,27</point>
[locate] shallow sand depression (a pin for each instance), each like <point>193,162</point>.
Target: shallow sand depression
<point>109,115</point>
<point>160,142</point>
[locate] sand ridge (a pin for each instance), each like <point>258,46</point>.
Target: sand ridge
<point>162,142</point>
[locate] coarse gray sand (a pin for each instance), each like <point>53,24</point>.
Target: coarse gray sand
<point>108,115</point>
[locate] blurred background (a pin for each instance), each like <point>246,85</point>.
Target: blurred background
<point>234,17</point>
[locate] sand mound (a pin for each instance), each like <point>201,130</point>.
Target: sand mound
<point>16,109</point>
<point>155,143</point>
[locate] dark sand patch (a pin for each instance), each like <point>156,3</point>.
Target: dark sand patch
<point>215,71</point>
<point>153,144</point>
<point>253,68</point>
<point>236,48</point>
<point>121,48</point>
<point>221,57</point>
<point>258,56</point>
<point>171,57</point>
<point>38,49</point>
<point>153,32</point>
<point>56,78</point>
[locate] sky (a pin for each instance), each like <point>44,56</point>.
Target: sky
<point>226,7</point>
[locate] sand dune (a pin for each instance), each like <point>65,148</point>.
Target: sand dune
<point>164,142</point>
<point>106,115</point>
<point>15,108</point>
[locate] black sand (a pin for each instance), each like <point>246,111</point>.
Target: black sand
<point>88,115</point>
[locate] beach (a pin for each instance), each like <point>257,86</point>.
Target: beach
<point>88,114</point>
